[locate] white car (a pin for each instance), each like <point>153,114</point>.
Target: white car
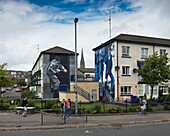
<point>3,90</point>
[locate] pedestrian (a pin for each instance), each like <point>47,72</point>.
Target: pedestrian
<point>68,102</point>
<point>24,104</point>
<point>63,104</point>
<point>143,107</point>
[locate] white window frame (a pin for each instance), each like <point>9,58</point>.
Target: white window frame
<point>164,90</point>
<point>129,90</point>
<point>144,52</point>
<point>162,51</point>
<point>126,53</point>
<point>126,71</point>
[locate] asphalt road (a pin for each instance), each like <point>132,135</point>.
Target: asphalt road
<point>161,129</point>
<point>11,94</point>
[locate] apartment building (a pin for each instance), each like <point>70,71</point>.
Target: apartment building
<point>117,62</point>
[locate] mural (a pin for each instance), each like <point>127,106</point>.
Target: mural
<point>104,67</point>
<point>56,73</point>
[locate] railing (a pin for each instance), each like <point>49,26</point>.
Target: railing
<point>83,93</point>
<point>109,97</point>
<point>83,78</point>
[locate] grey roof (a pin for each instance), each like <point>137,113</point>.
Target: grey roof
<point>137,39</point>
<point>87,70</point>
<point>58,50</point>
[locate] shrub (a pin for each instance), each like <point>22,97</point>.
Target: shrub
<point>118,109</point>
<point>149,108</point>
<point>166,107</point>
<point>168,97</point>
<point>97,108</point>
<point>6,106</point>
<point>131,109</point>
<point>31,104</point>
<point>55,106</point>
<point>49,104</point>
<point>110,110</point>
<point>29,94</point>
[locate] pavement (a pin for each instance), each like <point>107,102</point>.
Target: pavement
<point>11,121</point>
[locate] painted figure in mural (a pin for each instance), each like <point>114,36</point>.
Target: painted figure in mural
<point>108,62</point>
<point>53,68</point>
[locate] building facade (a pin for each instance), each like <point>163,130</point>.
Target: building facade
<point>117,62</point>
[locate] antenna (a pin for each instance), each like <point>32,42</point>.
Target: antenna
<point>110,9</point>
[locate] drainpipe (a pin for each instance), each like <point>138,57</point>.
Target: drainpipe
<point>117,75</point>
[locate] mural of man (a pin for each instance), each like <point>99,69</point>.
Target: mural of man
<point>53,68</point>
<point>108,62</point>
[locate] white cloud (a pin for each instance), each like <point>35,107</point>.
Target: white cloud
<point>25,25</point>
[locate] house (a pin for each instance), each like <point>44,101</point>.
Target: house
<point>53,76</point>
<point>117,62</point>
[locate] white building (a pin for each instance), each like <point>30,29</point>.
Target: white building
<point>128,52</point>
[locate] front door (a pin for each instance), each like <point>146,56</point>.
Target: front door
<point>94,95</point>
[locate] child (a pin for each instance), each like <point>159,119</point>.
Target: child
<point>68,102</point>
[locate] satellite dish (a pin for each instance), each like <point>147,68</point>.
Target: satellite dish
<point>117,68</point>
<point>135,70</point>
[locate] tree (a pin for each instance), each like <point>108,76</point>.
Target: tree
<point>155,70</point>
<point>21,83</point>
<point>5,80</point>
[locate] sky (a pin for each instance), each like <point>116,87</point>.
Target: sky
<point>26,25</point>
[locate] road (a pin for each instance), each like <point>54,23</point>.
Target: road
<point>161,129</point>
<point>11,94</point>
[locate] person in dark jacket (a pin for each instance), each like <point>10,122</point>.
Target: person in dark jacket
<point>63,105</point>
<point>24,104</point>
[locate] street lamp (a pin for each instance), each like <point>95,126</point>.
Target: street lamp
<point>76,107</point>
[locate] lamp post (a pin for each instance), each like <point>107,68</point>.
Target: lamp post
<point>76,106</point>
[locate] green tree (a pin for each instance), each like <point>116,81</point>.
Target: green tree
<point>5,80</point>
<point>21,83</point>
<point>155,70</point>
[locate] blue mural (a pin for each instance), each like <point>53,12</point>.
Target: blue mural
<point>104,67</point>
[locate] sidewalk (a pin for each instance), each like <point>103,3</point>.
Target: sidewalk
<point>9,121</point>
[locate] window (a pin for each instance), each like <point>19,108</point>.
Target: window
<point>164,89</point>
<point>126,90</point>
<point>155,90</point>
<point>125,51</point>
<point>125,70</point>
<point>140,89</point>
<point>144,53</point>
<point>147,89</point>
<point>162,52</point>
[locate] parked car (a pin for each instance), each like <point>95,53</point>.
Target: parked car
<point>18,90</point>
<point>3,90</point>
<point>9,88</point>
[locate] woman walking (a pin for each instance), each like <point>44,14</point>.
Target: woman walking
<point>68,102</point>
<point>143,107</point>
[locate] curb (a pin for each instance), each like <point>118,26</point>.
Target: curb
<point>83,126</point>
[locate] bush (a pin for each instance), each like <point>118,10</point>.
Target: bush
<point>131,109</point>
<point>168,97</point>
<point>6,106</point>
<point>110,110</point>
<point>49,104</point>
<point>29,94</point>
<point>55,106</point>
<point>118,109</point>
<point>97,108</point>
<point>166,107</point>
<point>149,108</point>
<point>31,104</point>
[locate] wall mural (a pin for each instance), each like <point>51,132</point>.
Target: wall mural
<point>56,73</point>
<point>104,69</point>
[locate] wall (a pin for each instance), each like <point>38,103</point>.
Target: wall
<point>87,86</point>
<point>104,70</point>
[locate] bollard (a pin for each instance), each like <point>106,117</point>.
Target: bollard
<point>18,120</point>
<point>41,117</point>
<point>126,105</point>
<point>86,115</point>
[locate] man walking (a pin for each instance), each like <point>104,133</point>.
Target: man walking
<point>24,104</point>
